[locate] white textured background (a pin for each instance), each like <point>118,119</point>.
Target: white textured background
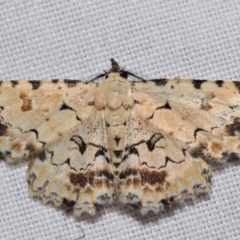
<point>76,39</point>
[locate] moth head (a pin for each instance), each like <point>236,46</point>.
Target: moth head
<point>116,69</point>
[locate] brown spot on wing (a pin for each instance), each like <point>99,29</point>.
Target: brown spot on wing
<point>16,146</point>
<point>159,188</point>
<point>144,177</point>
<point>27,105</point>
<point>3,129</point>
<point>106,174</point>
<point>136,181</point>
<point>133,181</point>
<point>219,83</point>
<point>68,203</point>
<point>27,102</point>
<point>197,83</point>
<point>71,83</point>
<point>88,190</point>
<point>205,106</point>
<point>22,95</point>
<point>81,179</point>
<point>159,82</point>
<point>216,146</point>
<point>152,177</point>
<point>35,84</point>
<point>235,126</point>
<point>237,85</point>
<point>128,172</point>
<point>30,148</point>
<point>42,155</point>
<point>14,83</point>
<point>68,187</point>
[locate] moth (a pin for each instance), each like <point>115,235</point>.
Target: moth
<point>146,143</point>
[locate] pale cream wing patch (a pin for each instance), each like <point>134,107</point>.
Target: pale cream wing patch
<point>203,114</point>
<point>55,125</point>
<point>34,113</point>
<point>156,168</point>
<point>175,125</point>
<point>76,170</point>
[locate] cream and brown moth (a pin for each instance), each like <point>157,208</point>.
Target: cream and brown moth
<point>146,143</point>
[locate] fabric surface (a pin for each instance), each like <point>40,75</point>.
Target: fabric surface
<point>155,39</point>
